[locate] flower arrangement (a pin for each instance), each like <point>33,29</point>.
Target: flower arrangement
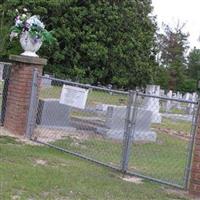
<point>31,24</point>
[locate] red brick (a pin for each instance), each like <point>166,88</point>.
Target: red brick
<point>18,98</point>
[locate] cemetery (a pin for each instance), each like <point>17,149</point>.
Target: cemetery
<point>98,125</point>
<point>98,101</point>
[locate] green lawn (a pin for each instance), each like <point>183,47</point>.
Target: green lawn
<point>94,96</point>
<point>179,126</point>
<point>165,159</point>
<point>39,173</point>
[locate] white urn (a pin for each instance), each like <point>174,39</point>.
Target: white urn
<point>29,44</point>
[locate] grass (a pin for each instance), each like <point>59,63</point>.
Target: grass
<point>165,159</point>
<point>178,126</point>
<point>61,176</point>
<point>94,97</point>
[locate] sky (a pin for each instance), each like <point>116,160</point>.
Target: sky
<point>185,11</point>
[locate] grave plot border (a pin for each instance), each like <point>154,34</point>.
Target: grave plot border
<point>129,124</point>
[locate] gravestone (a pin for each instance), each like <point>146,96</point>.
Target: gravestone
<point>168,103</point>
<point>1,71</point>
<point>102,107</point>
<point>115,124</point>
<point>178,104</point>
<point>46,82</point>
<point>193,98</point>
<point>152,104</point>
<point>53,114</point>
<point>162,93</point>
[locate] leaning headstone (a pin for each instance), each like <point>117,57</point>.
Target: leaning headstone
<point>53,114</point>
<point>115,124</point>
<point>152,104</point>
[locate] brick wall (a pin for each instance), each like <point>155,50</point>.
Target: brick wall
<point>194,187</point>
<point>19,91</point>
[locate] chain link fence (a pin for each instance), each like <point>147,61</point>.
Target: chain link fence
<point>5,69</point>
<point>141,134</point>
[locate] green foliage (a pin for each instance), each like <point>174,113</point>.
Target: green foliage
<point>188,85</point>
<point>162,77</point>
<point>194,63</point>
<point>173,46</point>
<point>98,41</point>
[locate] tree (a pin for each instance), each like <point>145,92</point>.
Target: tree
<point>173,45</point>
<point>194,63</point>
<point>107,41</point>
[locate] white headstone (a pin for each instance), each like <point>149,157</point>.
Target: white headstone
<point>74,96</point>
<point>168,103</point>
<point>152,104</point>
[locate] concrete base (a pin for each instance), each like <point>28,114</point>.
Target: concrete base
<point>148,136</point>
<point>53,114</point>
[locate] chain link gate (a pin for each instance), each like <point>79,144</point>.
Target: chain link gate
<point>138,134</point>
<point>4,82</point>
<point>161,138</point>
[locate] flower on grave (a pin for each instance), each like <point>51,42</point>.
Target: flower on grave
<point>32,24</point>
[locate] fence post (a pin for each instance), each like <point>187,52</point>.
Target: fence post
<point>194,182</point>
<point>32,112</point>
<point>19,91</point>
<point>128,131</point>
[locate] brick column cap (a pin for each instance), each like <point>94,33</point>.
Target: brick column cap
<point>28,59</point>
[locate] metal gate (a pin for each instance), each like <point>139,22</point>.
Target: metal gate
<point>5,69</point>
<point>135,133</point>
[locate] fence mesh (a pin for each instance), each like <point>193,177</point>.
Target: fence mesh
<point>162,138</point>
<point>91,131</point>
<point>148,136</point>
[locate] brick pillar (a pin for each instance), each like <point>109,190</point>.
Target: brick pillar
<point>19,91</point>
<point>194,187</point>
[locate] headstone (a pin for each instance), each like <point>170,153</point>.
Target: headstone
<point>109,87</point>
<point>46,82</point>
<point>102,107</point>
<point>53,114</point>
<point>162,93</point>
<point>168,103</point>
<point>193,98</point>
<point>178,103</point>
<point>115,124</point>
<point>74,96</point>
<point>186,96</point>
<point>1,71</point>
<point>152,104</point>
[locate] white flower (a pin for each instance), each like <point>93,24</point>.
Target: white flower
<point>16,10</point>
<point>23,16</point>
<point>18,22</point>
<point>25,10</point>
<point>34,20</point>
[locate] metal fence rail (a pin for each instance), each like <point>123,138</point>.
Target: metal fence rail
<point>145,135</point>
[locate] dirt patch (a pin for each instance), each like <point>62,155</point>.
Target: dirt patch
<point>178,134</point>
<point>40,162</point>
<point>19,138</point>
<point>180,194</point>
<point>132,179</point>
<point>48,135</point>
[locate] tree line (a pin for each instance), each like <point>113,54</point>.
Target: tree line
<point>107,41</point>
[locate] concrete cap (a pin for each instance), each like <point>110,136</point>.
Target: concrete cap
<point>28,59</point>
